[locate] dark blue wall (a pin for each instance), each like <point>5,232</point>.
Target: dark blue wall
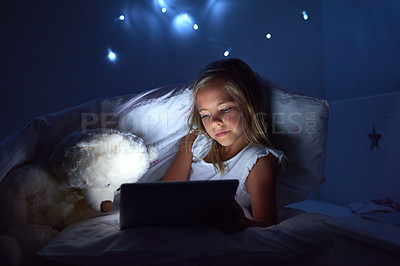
<point>54,53</point>
<point>361,55</point>
<point>361,47</point>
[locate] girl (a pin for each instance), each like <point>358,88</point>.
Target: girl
<point>228,141</point>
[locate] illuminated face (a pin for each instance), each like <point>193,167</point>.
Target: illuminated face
<point>220,115</point>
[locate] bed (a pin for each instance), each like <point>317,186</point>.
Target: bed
<point>297,125</point>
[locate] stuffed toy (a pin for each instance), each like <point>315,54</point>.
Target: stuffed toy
<point>79,180</point>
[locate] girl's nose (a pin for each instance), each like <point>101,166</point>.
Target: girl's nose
<point>216,120</point>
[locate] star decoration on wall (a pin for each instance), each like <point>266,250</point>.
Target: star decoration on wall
<point>374,139</point>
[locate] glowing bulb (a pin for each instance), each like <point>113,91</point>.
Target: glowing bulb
<point>183,22</point>
<point>163,6</point>
<point>305,16</point>
<point>186,17</point>
<point>227,52</point>
<point>195,26</point>
<point>111,55</point>
<point>268,36</point>
<point>121,17</point>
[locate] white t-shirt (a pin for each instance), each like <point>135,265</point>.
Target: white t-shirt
<point>238,167</point>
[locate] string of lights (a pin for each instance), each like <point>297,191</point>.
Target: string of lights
<point>186,20</point>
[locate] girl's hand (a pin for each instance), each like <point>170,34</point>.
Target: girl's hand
<point>226,217</point>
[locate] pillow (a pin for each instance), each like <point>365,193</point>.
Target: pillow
<point>159,117</point>
<point>297,125</point>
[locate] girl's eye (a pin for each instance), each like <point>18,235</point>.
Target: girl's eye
<point>205,116</point>
<point>225,110</point>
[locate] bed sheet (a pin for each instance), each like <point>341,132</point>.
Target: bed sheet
<point>99,241</point>
<point>322,207</point>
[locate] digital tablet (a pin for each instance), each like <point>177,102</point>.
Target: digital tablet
<point>172,203</point>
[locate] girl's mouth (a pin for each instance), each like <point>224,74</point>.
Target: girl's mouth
<point>221,134</point>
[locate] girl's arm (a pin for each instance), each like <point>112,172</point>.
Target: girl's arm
<point>180,167</point>
<point>260,183</point>
<point>261,187</point>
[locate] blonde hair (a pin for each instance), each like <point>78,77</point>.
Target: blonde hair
<point>240,82</point>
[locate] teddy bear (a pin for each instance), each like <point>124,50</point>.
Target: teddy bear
<point>79,180</point>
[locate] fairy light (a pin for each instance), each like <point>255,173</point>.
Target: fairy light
<point>305,15</point>
<point>227,52</point>
<point>186,17</point>
<point>182,20</point>
<point>111,55</point>
<point>163,6</point>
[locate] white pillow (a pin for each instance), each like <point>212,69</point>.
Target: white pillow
<point>298,126</point>
<point>160,118</point>
<point>157,116</point>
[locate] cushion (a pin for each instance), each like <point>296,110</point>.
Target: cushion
<point>159,117</point>
<point>297,125</point>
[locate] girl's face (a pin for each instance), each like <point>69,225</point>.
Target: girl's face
<point>220,115</point>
